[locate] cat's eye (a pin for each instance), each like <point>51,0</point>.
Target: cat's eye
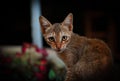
<point>64,38</point>
<point>51,39</point>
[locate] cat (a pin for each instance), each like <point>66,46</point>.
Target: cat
<point>86,59</point>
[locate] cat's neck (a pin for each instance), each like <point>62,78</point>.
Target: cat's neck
<point>77,40</point>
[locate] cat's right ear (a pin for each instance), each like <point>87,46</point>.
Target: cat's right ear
<point>44,23</point>
<point>68,22</point>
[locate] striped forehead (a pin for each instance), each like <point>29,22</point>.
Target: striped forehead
<point>57,27</point>
<point>52,34</point>
<point>57,31</point>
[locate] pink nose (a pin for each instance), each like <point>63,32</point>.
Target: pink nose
<point>58,46</point>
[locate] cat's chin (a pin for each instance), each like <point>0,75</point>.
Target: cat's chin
<point>59,51</point>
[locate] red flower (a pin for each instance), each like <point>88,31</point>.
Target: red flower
<point>38,50</point>
<point>40,76</point>
<point>18,54</point>
<point>43,68</point>
<point>43,51</point>
<point>8,60</point>
<point>23,49</point>
<point>26,45</point>
<point>43,62</point>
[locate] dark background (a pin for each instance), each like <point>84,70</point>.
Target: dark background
<point>15,19</point>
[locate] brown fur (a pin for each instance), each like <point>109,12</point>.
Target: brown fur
<point>86,59</point>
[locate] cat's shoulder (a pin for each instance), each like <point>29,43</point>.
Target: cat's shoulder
<point>90,41</point>
<point>97,43</point>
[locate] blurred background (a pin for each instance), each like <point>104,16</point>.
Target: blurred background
<point>92,18</point>
<point>96,18</point>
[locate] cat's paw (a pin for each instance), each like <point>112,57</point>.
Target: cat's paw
<point>60,74</point>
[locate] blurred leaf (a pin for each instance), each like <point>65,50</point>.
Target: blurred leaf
<point>52,75</point>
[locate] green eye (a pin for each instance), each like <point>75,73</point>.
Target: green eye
<point>51,39</point>
<point>64,38</point>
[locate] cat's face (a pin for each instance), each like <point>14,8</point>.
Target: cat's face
<point>57,35</point>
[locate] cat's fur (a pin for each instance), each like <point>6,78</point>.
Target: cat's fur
<point>86,59</point>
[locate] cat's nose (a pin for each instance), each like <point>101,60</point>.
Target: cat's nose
<point>58,46</point>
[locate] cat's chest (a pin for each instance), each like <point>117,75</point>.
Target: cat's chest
<point>64,57</point>
<point>69,58</point>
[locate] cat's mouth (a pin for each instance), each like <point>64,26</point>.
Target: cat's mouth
<point>59,50</point>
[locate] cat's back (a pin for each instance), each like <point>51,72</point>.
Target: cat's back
<point>92,50</point>
<point>98,46</point>
<point>90,44</point>
<point>95,57</point>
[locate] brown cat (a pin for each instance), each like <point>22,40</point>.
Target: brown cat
<point>86,59</point>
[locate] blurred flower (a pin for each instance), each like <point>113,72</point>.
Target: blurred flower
<point>40,76</point>
<point>7,60</point>
<point>30,62</point>
<point>18,54</point>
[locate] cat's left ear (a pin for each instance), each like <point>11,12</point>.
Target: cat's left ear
<point>68,22</point>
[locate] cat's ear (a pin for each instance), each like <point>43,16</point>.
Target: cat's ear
<point>68,22</point>
<point>45,24</point>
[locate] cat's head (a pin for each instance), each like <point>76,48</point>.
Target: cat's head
<point>57,35</point>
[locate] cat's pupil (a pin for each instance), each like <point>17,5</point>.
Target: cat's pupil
<point>51,39</point>
<point>64,38</point>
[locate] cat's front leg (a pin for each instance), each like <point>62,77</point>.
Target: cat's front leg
<point>71,59</point>
<point>70,75</point>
